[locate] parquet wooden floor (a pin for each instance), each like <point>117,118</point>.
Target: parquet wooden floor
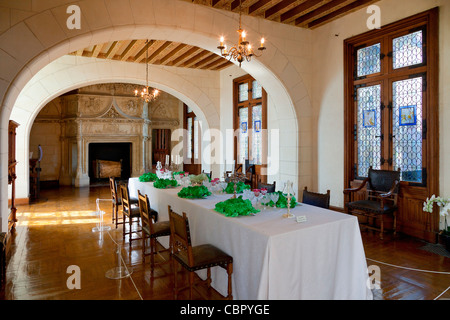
<point>56,233</point>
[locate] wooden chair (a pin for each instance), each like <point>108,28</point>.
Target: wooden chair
<point>117,200</point>
<point>129,212</point>
<point>208,174</point>
<point>270,187</point>
<point>321,200</point>
<point>152,230</point>
<point>195,258</point>
<point>382,187</point>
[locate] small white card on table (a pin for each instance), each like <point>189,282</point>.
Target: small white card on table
<point>301,219</point>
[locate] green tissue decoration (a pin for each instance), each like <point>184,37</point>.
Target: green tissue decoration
<point>282,201</point>
<point>241,186</point>
<point>194,192</point>
<point>165,183</point>
<point>148,177</point>
<point>236,207</point>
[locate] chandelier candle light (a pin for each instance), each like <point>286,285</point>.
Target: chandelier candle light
<point>243,50</point>
<point>145,92</point>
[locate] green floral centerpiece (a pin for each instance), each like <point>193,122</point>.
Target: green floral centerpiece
<point>165,183</point>
<point>236,207</point>
<point>148,177</point>
<point>194,192</point>
<point>282,201</point>
<point>240,187</point>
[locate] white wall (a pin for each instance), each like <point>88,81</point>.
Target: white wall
<point>328,90</point>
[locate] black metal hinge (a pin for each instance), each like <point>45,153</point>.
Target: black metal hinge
<point>424,129</point>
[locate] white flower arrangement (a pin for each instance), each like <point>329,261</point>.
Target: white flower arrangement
<point>443,203</point>
<point>444,211</point>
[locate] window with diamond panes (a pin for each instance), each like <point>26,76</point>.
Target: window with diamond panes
<point>250,121</point>
<point>243,92</point>
<point>369,129</point>
<point>407,132</point>
<point>396,68</point>
<point>368,60</point>
<point>407,50</point>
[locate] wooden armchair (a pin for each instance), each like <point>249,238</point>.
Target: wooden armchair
<point>382,187</point>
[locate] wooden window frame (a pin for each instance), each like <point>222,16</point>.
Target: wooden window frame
<point>430,21</point>
<point>249,104</point>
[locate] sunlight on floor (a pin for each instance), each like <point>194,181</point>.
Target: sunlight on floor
<point>57,218</point>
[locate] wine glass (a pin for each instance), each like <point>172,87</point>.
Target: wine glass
<point>274,197</point>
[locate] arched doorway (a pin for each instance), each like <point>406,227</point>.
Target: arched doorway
<point>281,83</point>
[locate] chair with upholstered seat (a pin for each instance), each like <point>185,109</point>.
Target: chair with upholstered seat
<point>321,200</point>
<point>130,212</point>
<point>382,187</point>
<point>151,229</point>
<point>270,187</point>
<point>194,258</point>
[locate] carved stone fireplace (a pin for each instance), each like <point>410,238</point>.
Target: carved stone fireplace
<point>108,114</point>
<point>109,160</point>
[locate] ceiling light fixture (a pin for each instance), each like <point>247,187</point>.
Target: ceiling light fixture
<point>243,50</point>
<point>145,92</point>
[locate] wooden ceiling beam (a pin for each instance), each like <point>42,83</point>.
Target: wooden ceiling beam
<point>276,9</point>
<point>214,62</point>
<point>259,5</point>
<point>154,55</point>
<point>223,65</point>
<point>96,50</point>
<point>130,49</point>
<point>172,53</point>
<point>338,13</point>
<point>319,11</point>
<point>210,57</point>
<point>185,55</point>
<point>298,10</point>
<point>141,54</point>
<point>195,58</point>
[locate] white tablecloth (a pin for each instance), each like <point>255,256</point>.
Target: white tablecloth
<point>275,257</point>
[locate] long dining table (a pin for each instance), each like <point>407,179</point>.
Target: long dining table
<point>274,258</point>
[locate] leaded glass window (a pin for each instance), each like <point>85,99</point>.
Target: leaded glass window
<point>368,60</point>
<point>189,138</point>
<point>196,137</point>
<point>256,90</point>
<point>408,50</point>
<point>369,129</point>
<point>407,128</point>
<point>243,92</point>
<point>257,134</point>
<point>243,133</point>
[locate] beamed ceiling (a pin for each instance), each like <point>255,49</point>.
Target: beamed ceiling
<point>160,52</point>
<point>301,13</point>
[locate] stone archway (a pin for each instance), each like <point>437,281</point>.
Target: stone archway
<point>28,104</point>
<point>47,39</point>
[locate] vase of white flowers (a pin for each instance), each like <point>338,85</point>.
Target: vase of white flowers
<point>444,211</point>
